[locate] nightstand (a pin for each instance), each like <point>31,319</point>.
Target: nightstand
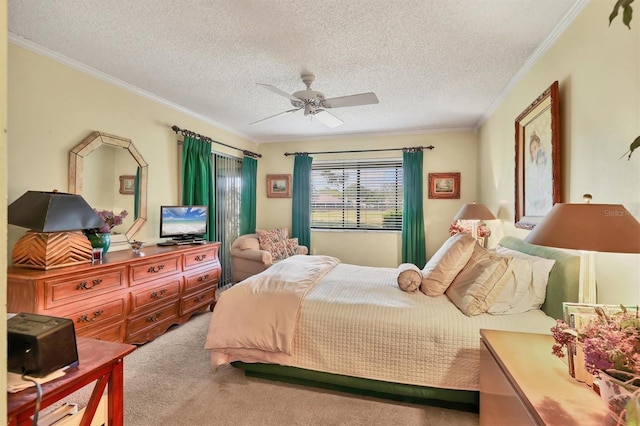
<point>523,383</point>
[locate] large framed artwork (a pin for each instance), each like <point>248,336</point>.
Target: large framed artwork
<point>538,179</point>
<point>444,185</point>
<point>278,186</point>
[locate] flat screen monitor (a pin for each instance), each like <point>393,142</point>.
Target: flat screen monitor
<point>183,222</point>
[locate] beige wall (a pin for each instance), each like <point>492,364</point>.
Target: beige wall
<point>54,107</point>
<point>3,197</point>
<point>453,152</point>
<point>598,70</point>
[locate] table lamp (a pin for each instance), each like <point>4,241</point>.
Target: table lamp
<point>55,220</point>
<point>475,213</point>
<point>589,228</point>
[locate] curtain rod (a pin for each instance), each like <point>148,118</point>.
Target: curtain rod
<point>412,149</point>
<point>186,132</point>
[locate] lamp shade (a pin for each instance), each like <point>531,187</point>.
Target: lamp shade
<point>53,212</point>
<point>590,227</point>
<point>474,212</point>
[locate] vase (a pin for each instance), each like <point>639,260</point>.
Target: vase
<point>100,240</point>
<point>617,390</point>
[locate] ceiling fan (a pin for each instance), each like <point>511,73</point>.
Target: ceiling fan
<point>314,103</point>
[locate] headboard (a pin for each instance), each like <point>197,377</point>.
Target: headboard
<point>564,276</point>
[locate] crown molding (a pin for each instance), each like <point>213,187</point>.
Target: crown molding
<point>566,20</point>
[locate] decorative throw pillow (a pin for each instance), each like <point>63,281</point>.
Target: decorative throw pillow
<point>541,270</point>
<point>445,264</point>
<point>278,250</point>
<point>480,282</point>
<point>518,294</point>
<point>292,246</point>
<point>409,277</point>
<point>268,236</point>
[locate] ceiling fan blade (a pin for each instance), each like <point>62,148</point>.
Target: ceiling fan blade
<point>274,116</point>
<point>278,91</point>
<point>351,100</point>
<point>327,118</point>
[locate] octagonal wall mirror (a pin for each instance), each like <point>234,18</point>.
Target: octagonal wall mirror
<point>103,169</point>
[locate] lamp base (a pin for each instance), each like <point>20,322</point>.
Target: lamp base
<point>50,250</point>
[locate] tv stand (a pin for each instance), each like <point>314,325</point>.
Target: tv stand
<point>183,241</point>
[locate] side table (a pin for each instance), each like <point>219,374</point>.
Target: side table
<point>99,361</point>
<point>523,383</point>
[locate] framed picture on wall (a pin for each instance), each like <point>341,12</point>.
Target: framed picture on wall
<point>444,185</point>
<point>279,186</point>
<point>127,184</point>
<point>538,159</point>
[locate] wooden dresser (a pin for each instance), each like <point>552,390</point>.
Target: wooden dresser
<point>127,298</point>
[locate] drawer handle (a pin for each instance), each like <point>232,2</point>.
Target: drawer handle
<point>85,318</point>
<point>203,278</point>
<point>156,269</point>
<point>155,317</point>
<point>198,299</point>
<point>159,294</point>
<point>84,286</point>
<point>200,258</point>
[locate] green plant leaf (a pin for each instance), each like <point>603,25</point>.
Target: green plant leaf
<point>627,12</point>
<point>633,411</point>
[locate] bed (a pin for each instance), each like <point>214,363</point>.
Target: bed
<point>354,330</point>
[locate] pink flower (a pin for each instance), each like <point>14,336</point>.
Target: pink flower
<point>110,219</point>
<point>609,341</point>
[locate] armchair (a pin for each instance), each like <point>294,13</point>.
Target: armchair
<point>247,259</point>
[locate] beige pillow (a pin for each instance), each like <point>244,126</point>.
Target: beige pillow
<point>480,282</point>
<point>445,264</point>
<point>409,277</point>
<point>249,244</point>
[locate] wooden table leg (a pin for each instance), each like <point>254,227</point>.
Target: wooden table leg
<point>116,395</point>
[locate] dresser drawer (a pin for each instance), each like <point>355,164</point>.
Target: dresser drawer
<point>73,288</point>
<point>162,315</point>
<point>151,270</point>
<point>206,278</point>
<point>207,255</point>
<point>98,314</point>
<point>157,294</point>
<point>111,333</point>
<point>194,301</point>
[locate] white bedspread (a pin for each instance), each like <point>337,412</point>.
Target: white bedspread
<point>357,322</point>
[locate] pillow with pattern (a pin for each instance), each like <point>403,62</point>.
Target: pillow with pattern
<point>292,246</point>
<point>278,250</point>
<point>269,236</point>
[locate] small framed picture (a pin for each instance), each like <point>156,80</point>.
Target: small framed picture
<point>444,185</point>
<point>127,184</point>
<point>279,186</point>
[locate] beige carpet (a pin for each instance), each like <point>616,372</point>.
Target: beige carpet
<point>169,382</point>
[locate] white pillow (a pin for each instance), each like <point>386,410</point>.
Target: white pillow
<point>480,282</point>
<point>541,269</point>
<point>409,277</point>
<point>446,263</point>
<point>518,295</point>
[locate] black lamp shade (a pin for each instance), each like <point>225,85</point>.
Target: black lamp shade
<point>53,212</point>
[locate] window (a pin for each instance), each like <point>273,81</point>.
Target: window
<point>357,195</point>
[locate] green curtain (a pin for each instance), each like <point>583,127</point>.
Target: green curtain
<point>136,194</point>
<point>413,241</point>
<point>248,196</point>
<point>197,178</point>
<point>301,200</point>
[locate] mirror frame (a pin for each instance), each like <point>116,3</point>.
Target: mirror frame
<point>76,168</point>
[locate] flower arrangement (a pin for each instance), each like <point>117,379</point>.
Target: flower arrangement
<point>608,341</point>
<point>110,219</point>
<point>458,226</point>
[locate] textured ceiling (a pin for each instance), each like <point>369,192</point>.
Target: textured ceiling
<point>433,64</point>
